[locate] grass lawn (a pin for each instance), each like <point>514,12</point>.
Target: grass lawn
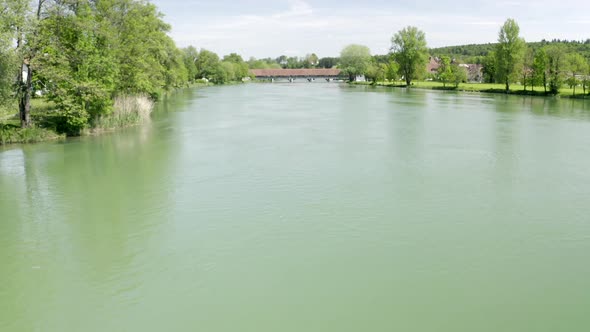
<point>483,87</point>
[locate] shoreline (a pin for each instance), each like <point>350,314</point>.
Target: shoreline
<point>12,134</point>
<point>483,88</point>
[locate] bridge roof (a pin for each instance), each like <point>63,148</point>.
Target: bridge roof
<point>295,72</point>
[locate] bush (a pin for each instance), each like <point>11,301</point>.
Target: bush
<point>71,118</point>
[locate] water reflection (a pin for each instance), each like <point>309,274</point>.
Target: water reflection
<point>248,201</point>
<point>79,218</point>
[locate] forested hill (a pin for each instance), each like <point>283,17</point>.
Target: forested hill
<point>473,53</point>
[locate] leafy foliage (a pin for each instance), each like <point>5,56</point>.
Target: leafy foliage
<point>355,60</point>
<point>509,53</point>
<point>410,51</point>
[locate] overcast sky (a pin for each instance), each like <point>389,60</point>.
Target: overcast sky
<point>269,28</point>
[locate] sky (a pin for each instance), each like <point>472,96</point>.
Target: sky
<point>270,28</point>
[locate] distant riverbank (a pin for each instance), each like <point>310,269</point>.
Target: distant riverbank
<point>481,87</point>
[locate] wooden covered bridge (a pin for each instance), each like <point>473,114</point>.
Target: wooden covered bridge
<point>293,74</point>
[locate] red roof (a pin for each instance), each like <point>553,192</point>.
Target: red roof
<point>295,72</point>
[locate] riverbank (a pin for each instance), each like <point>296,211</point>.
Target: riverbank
<point>128,111</point>
<point>481,88</point>
<point>50,124</point>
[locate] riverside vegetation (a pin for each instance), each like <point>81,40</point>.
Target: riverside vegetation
<point>97,65</point>
<point>78,67</point>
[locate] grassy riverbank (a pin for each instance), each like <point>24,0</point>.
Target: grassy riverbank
<point>127,111</point>
<point>49,122</point>
<point>483,88</point>
<point>12,133</point>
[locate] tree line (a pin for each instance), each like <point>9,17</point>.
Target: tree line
<point>82,54</point>
<point>550,65</point>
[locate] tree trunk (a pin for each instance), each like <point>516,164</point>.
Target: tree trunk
<point>574,89</point>
<point>24,103</point>
<point>545,82</point>
<point>507,86</point>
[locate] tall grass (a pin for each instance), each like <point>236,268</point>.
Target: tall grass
<point>127,111</point>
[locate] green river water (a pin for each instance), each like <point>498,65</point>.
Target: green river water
<point>305,207</point>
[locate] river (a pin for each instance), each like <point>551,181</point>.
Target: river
<point>305,207</point>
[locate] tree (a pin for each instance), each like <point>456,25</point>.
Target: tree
<point>233,58</point>
<point>555,66</point>
<point>355,60</point>
<point>207,64</point>
<point>489,67</point>
<point>311,60</point>
<point>410,51</point>
<point>509,52</point>
<point>527,68</point>
<point>445,72</point>
<point>327,62</point>
<point>377,72</point>
<point>189,56</point>
<point>77,64</point>
<point>282,60</point>
<point>577,65</point>
<point>294,63</point>
<point>391,73</point>
<point>586,79</point>
<point>240,68</point>
<point>22,21</point>
<point>459,74</point>
<point>540,68</point>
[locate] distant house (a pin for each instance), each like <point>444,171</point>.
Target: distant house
<point>474,72</point>
<point>360,78</point>
<point>433,65</point>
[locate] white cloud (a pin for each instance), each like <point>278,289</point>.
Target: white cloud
<point>300,28</point>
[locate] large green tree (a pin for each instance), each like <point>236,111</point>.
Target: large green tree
<point>445,72</point>
<point>189,56</point>
<point>207,64</point>
<point>509,53</point>
<point>489,67</point>
<point>411,52</point>
<point>355,60</point>
<point>78,67</point>
<point>556,66</point>
<point>239,66</point>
